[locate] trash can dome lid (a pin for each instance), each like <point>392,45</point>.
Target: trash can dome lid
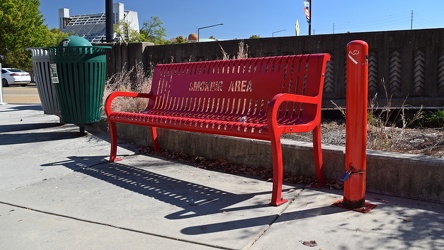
<point>75,41</point>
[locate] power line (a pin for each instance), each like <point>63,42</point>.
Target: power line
<point>425,21</point>
<point>414,19</point>
<point>377,24</point>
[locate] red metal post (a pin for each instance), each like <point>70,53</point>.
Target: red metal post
<point>356,125</point>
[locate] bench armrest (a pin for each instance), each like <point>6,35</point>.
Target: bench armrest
<point>276,102</point>
<point>110,98</point>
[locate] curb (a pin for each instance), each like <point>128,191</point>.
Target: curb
<point>405,175</point>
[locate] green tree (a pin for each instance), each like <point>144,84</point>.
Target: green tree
<point>21,27</point>
<point>255,37</point>
<point>180,39</point>
<point>127,34</point>
<point>154,31</point>
<point>54,37</point>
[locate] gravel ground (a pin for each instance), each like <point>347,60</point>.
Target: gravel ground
<point>423,141</point>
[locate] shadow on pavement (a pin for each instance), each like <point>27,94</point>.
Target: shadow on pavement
<point>258,221</point>
<point>12,139</point>
<point>195,199</point>
<point>17,107</point>
<point>27,126</point>
<point>403,220</point>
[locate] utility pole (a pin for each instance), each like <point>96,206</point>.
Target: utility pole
<point>411,20</point>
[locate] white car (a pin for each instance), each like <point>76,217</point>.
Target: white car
<point>15,76</point>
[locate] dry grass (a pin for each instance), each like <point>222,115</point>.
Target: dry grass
<point>383,124</point>
<point>242,52</point>
<point>137,80</point>
<point>383,130</point>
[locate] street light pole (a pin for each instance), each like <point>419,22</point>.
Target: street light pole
<point>201,28</point>
<point>272,34</point>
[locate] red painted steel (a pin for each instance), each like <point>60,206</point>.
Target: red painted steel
<point>258,98</point>
<point>356,124</point>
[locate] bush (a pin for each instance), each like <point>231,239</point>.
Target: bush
<point>431,119</point>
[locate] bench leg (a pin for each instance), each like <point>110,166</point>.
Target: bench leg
<point>155,141</point>
<point>278,172</point>
<point>113,135</point>
<point>317,154</point>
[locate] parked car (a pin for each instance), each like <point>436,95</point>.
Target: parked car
<point>15,76</point>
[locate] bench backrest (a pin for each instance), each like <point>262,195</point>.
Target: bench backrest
<point>241,87</point>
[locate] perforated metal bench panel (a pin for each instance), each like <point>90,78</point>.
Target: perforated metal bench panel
<point>230,95</point>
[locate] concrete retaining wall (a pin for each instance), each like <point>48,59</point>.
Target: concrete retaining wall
<point>409,62</point>
<point>411,176</point>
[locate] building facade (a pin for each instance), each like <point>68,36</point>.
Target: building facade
<point>93,26</point>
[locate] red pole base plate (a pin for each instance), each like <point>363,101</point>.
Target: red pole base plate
<point>365,209</point>
<point>276,204</point>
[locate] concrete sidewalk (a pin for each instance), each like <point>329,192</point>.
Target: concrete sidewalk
<point>57,191</point>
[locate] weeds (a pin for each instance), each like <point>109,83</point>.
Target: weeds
<point>383,131</point>
<point>431,119</point>
<point>341,109</point>
<point>135,79</point>
<point>242,51</point>
<point>225,55</point>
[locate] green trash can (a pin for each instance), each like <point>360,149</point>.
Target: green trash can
<point>78,71</point>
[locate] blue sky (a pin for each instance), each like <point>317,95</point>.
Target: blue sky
<point>242,19</point>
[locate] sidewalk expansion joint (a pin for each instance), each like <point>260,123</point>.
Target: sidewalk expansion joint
<point>113,226</point>
<point>268,226</point>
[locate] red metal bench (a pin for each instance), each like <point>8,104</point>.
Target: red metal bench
<point>257,98</point>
